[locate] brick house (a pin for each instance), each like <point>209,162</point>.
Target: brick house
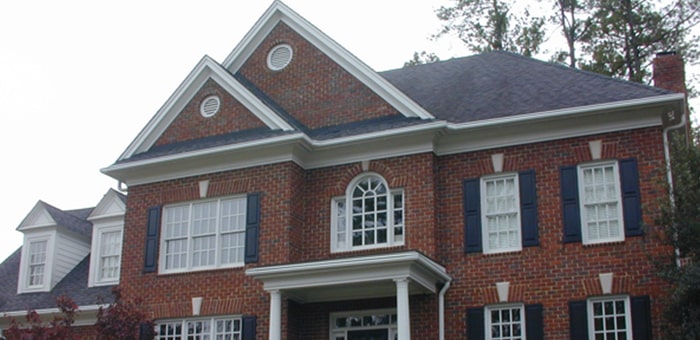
<point>291,192</point>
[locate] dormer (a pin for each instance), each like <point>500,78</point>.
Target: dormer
<point>55,241</point>
<point>107,233</point>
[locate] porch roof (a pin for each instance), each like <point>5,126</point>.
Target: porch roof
<point>352,278</point>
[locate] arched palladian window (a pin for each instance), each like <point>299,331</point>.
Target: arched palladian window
<point>370,215</point>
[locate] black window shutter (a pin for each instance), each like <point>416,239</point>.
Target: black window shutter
<point>152,228</point>
<point>249,327</point>
<point>631,202</point>
<point>570,208</point>
<point>578,320</point>
<point>472,216</point>
<point>146,331</point>
<point>252,228</point>
<point>475,324</point>
<point>641,317</point>
<point>534,327</point>
<point>528,208</point>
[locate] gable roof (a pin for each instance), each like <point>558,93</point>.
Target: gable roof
<point>500,84</point>
<point>46,215</point>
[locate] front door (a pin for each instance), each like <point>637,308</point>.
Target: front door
<point>370,334</point>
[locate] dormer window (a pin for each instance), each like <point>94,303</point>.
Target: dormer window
<point>107,253</point>
<point>37,263</point>
<point>370,215</point>
<point>34,272</point>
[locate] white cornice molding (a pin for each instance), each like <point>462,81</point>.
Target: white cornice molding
<point>206,69</point>
<point>438,137</point>
<point>279,12</point>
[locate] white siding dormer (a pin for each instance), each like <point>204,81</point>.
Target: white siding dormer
<point>51,250</point>
<point>36,264</point>
<point>107,240</point>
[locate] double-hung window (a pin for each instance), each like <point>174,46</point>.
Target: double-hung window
<point>230,328</point>
<point>500,213</point>
<point>601,207</point>
<point>107,251</point>
<point>500,201</point>
<point>505,322</point>
<point>609,318</point>
<point>203,234</point>
<point>370,215</point>
<point>36,273</point>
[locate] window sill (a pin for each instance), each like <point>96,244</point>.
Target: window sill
<point>199,270</point>
<point>603,243</point>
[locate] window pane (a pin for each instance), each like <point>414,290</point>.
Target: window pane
<point>110,254</point>
<point>600,202</point>
<point>501,212</point>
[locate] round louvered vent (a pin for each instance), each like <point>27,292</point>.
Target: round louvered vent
<point>210,106</point>
<point>279,57</point>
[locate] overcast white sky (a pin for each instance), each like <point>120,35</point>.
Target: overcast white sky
<point>80,78</point>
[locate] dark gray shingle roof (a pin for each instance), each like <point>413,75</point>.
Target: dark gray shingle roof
<point>74,285</point>
<point>501,84</point>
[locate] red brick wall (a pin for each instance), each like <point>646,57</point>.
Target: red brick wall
<point>553,273</point>
<point>412,173</point>
<point>190,124</point>
<point>295,226</point>
<point>312,88</point>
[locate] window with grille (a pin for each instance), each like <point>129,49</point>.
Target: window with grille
<point>505,322</point>
<point>369,215</point>
<point>203,234</point>
<point>500,213</point>
<point>601,208</point>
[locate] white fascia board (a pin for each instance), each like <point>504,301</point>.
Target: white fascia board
<point>352,270</point>
<point>568,112</point>
<point>86,316</point>
<point>297,147</point>
<point>206,68</point>
<point>279,12</point>
<point>554,125</point>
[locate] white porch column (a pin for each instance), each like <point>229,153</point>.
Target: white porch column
<point>275,315</point>
<point>402,309</point>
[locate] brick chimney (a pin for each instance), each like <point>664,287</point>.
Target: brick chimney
<point>669,72</point>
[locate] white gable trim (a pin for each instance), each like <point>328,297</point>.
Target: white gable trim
<point>37,218</point>
<point>111,205</point>
<point>206,69</point>
<point>279,12</point>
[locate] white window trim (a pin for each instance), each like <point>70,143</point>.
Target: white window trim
<point>391,237</point>
<point>335,332</point>
<point>212,321</point>
<point>23,282</point>
<point>628,313</point>
<point>582,208</point>
<point>484,225</point>
<point>189,268</point>
<point>96,251</point>
<point>487,317</point>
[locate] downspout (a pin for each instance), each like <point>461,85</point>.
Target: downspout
<point>669,173</point>
<point>441,309</point>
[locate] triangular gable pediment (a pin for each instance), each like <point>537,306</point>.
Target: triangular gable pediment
<point>278,13</point>
<point>38,217</point>
<point>206,70</point>
<point>111,204</point>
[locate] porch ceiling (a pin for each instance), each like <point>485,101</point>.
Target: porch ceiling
<point>352,278</point>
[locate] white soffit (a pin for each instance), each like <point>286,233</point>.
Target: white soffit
<point>279,12</point>
<point>206,69</point>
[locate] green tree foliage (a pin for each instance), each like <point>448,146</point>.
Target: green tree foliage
<point>574,20</point>
<point>421,58</point>
<point>681,215</point>
<point>486,25</point>
<point>625,35</point>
